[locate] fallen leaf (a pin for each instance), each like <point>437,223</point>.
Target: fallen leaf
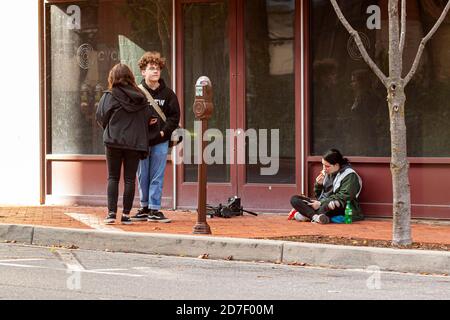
<point>302,264</point>
<point>229,258</point>
<point>204,256</point>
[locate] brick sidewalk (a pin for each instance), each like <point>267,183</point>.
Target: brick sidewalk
<point>247,226</point>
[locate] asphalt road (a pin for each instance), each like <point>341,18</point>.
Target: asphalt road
<point>28,272</point>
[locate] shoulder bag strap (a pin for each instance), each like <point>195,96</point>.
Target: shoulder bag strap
<point>153,102</point>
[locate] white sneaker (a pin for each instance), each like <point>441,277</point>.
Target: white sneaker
<point>301,218</point>
<point>320,218</point>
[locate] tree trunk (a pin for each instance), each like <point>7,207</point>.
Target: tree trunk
<point>396,103</point>
<point>399,166</point>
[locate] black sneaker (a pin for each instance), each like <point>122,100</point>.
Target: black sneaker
<point>141,215</point>
<point>125,219</point>
<point>110,218</point>
<point>157,216</point>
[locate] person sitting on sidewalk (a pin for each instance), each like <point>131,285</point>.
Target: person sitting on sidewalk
<point>336,184</point>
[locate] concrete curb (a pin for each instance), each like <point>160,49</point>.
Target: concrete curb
<point>401,260</point>
<point>165,244</point>
<point>19,233</point>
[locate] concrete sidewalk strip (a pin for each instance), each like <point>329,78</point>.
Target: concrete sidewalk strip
<point>241,249</point>
<point>91,221</point>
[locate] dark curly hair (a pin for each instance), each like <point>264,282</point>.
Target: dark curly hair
<point>152,57</point>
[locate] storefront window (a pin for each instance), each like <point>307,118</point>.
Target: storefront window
<point>85,39</point>
<point>348,107</point>
<point>206,52</point>
<point>270,79</point>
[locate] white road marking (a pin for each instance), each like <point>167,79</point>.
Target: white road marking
<point>113,273</point>
<point>106,270</point>
<point>71,263</point>
<point>158,273</point>
<point>69,260</point>
<point>92,221</point>
<point>80,271</point>
<point>15,260</point>
<point>18,265</point>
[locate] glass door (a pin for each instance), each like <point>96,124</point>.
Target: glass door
<point>267,180</point>
<point>247,49</point>
<point>206,48</point>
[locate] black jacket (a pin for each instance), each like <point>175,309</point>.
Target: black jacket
<point>124,115</point>
<point>168,102</point>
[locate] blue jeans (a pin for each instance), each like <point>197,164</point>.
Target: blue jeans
<point>151,176</point>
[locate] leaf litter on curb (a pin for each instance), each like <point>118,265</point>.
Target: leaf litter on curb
<point>362,242</point>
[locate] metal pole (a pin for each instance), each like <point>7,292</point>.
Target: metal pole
<point>202,227</point>
<point>174,87</point>
<point>203,109</point>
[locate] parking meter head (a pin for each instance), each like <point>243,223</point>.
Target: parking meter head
<point>203,103</point>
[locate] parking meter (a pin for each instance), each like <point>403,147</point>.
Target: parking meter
<point>203,109</point>
<point>203,104</point>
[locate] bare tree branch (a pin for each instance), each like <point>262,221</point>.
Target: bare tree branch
<point>395,59</point>
<point>424,42</point>
<point>359,43</point>
<point>403,30</point>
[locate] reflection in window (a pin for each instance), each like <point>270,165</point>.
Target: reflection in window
<point>270,93</point>
<point>206,52</point>
<point>349,109</point>
<point>84,41</point>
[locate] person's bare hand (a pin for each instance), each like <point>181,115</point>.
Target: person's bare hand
<point>320,178</point>
<point>314,204</point>
<point>161,133</point>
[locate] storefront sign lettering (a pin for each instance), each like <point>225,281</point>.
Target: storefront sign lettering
<point>374,21</point>
<point>74,19</point>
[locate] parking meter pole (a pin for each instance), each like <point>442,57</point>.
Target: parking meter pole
<point>202,226</point>
<point>202,108</point>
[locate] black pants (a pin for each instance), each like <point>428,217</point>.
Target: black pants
<point>115,158</point>
<point>306,210</point>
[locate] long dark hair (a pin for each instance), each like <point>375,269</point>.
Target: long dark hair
<point>334,156</point>
<point>121,74</point>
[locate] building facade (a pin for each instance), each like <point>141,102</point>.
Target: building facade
<point>285,73</point>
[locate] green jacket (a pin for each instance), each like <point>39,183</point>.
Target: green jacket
<point>348,189</point>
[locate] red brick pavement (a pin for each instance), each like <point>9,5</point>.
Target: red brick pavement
<point>247,226</point>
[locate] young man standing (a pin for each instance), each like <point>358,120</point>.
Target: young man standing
<point>151,170</point>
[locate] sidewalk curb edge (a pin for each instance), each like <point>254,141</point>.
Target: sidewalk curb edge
<point>240,249</point>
